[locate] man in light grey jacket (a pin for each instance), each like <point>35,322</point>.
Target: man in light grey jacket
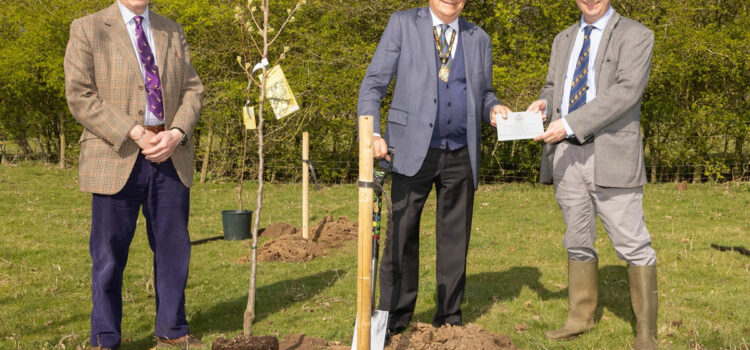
<point>443,92</point>
<point>593,155</point>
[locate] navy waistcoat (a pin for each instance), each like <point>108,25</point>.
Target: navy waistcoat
<point>450,123</point>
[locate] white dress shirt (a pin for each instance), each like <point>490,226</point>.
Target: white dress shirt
<point>128,17</point>
<point>595,39</point>
<point>452,28</point>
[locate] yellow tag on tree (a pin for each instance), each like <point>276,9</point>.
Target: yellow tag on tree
<point>279,95</point>
<point>248,117</point>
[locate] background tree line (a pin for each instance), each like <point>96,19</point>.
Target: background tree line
<point>696,109</point>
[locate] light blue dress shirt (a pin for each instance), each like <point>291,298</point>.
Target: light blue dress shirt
<point>596,38</point>
<point>128,17</point>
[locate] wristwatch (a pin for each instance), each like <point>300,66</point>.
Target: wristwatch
<point>183,140</point>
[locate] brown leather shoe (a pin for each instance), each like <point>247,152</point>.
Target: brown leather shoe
<point>185,342</point>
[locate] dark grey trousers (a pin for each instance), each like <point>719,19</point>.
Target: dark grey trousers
<point>450,173</point>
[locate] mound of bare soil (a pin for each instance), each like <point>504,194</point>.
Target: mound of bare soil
<point>423,336</point>
<point>289,245</point>
<point>265,342</point>
<point>277,230</point>
<point>304,342</point>
<point>334,230</point>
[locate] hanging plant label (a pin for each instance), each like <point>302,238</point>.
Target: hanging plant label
<point>279,94</point>
<point>248,117</point>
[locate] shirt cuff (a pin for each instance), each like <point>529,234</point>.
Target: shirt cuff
<point>376,134</point>
<point>568,130</point>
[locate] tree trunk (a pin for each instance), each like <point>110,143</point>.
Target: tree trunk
<point>63,141</point>
<point>207,152</point>
<point>23,143</point>
<point>738,168</point>
<point>697,174</point>
<point>224,153</point>
<point>3,158</point>
<point>250,309</point>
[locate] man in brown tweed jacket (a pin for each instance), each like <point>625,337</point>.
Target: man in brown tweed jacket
<point>130,82</point>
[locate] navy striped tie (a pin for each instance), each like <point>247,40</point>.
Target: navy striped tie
<point>579,85</point>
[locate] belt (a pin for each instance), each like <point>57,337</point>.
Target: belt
<point>574,141</point>
<point>154,128</point>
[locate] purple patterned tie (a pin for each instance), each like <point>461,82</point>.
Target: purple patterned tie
<point>153,85</point>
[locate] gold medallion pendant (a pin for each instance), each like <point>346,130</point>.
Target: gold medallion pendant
<point>443,74</point>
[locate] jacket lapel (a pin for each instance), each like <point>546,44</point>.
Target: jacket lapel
<point>603,44</point>
<point>426,42</point>
<point>115,29</point>
<point>568,43</point>
<point>469,49</point>
<point>161,41</point>
<point>466,31</point>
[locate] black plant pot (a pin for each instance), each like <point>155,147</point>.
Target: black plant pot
<point>236,224</point>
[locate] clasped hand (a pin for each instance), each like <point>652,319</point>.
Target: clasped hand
<point>157,147</point>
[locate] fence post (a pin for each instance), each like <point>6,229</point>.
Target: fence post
<point>305,184</point>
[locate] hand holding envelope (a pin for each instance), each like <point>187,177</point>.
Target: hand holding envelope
<point>519,126</point>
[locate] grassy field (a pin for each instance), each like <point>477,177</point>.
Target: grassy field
<point>516,270</point>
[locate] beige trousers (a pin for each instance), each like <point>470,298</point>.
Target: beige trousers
<point>580,199</point>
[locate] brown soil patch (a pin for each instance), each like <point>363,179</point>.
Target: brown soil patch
<point>423,336</point>
<point>289,245</point>
<point>304,342</point>
<point>277,230</point>
<point>265,342</point>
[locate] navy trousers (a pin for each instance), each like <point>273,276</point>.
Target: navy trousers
<point>165,202</point>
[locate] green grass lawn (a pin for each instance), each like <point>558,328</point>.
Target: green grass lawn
<point>516,268</point>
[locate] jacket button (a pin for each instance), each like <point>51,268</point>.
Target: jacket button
<point>434,100</point>
<point>449,121</point>
<point>430,124</point>
<point>449,104</point>
<point>140,87</point>
<point>558,110</point>
<point>140,113</point>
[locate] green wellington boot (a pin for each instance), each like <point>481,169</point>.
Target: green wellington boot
<point>582,296</point>
<point>644,296</point>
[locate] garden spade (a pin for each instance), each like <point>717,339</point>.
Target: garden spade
<point>379,318</point>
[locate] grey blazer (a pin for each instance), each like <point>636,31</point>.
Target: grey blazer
<point>407,50</point>
<point>613,118</point>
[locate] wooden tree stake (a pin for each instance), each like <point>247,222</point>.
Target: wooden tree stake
<point>305,183</point>
<point>364,294</point>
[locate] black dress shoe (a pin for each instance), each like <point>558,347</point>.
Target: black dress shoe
<point>454,324</point>
<point>390,332</point>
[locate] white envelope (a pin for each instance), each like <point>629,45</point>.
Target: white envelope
<point>519,126</point>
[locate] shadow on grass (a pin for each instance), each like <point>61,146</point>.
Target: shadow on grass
<point>614,293</point>
<point>227,317</point>
<point>485,289</point>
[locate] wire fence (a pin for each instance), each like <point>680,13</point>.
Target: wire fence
<point>345,171</point>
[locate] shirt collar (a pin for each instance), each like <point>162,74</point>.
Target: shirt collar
<point>599,24</point>
<point>436,21</point>
<point>128,15</point>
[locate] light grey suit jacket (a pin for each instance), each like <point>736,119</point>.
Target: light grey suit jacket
<point>407,50</point>
<point>613,118</point>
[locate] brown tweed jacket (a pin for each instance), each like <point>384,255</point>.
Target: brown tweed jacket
<point>105,93</point>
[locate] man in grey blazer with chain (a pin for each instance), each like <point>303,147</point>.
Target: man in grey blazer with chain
<point>443,92</point>
<point>593,155</point>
